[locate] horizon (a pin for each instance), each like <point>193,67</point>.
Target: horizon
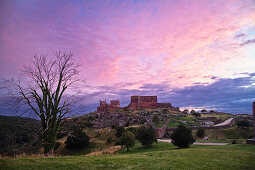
<point>194,55</point>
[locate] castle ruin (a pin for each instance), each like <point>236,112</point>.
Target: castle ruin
<point>147,102</point>
<point>137,102</point>
<point>113,106</point>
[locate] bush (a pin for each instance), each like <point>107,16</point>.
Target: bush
<point>203,111</point>
<point>113,126</point>
<point>186,111</point>
<point>243,123</point>
<point>127,123</point>
<point>77,140</point>
<point>155,119</point>
<point>182,137</point>
<point>146,135</point>
<point>126,108</point>
<point>109,140</point>
<point>88,124</point>
<point>192,111</point>
<point>165,111</point>
<point>133,130</point>
<point>200,133</point>
<point>234,141</point>
<point>119,131</point>
<point>196,114</point>
<point>128,140</point>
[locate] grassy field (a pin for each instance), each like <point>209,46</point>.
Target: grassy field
<point>160,156</point>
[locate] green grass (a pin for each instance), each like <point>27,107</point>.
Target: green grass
<point>160,156</point>
<point>239,141</point>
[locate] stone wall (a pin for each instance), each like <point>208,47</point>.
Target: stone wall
<point>147,102</point>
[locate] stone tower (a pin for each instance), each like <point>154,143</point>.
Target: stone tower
<point>252,141</point>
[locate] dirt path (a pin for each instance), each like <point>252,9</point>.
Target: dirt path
<point>195,143</point>
<point>226,122</point>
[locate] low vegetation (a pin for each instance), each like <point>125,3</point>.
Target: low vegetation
<point>159,156</point>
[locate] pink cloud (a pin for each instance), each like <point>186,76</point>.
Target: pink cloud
<point>178,42</point>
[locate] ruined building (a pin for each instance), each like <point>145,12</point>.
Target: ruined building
<point>137,102</point>
<point>114,105</point>
<point>147,102</point>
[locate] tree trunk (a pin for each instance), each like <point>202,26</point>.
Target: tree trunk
<point>127,149</point>
<point>49,140</point>
<point>48,149</point>
<point>49,153</point>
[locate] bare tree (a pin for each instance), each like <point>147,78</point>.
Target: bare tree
<point>44,90</point>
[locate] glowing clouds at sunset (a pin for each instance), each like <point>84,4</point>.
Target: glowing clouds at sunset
<point>125,45</point>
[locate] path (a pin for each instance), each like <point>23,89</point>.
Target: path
<point>195,143</point>
<point>226,122</point>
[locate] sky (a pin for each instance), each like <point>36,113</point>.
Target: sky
<point>194,54</point>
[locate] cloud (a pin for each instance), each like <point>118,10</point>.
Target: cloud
<point>248,42</point>
<point>240,35</point>
<point>225,94</point>
<point>128,47</point>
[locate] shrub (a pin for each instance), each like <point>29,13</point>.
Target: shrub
<point>192,111</point>
<point>243,123</point>
<point>113,126</point>
<point>132,129</point>
<point>165,111</point>
<point>182,137</point>
<point>146,135</point>
<point>155,119</point>
<point>196,114</point>
<point>234,141</point>
<point>200,133</point>
<point>142,121</point>
<point>77,140</point>
<point>203,111</point>
<point>88,124</point>
<point>109,140</point>
<point>186,111</point>
<point>128,140</point>
<point>117,142</point>
<point>119,131</point>
<point>127,123</point>
<point>126,108</point>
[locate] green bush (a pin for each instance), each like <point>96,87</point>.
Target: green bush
<point>126,108</point>
<point>234,141</point>
<point>196,114</point>
<point>155,119</point>
<point>243,123</point>
<point>77,140</point>
<point>109,140</point>
<point>182,137</point>
<point>146,135</point>
<point>132,129</point>
<point>200,133</point>
<point>128,140</point>
<point>119,131</point>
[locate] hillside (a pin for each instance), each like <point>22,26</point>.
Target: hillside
<point>18,134</point>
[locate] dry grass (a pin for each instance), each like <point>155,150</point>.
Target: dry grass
<point>110,150</point>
